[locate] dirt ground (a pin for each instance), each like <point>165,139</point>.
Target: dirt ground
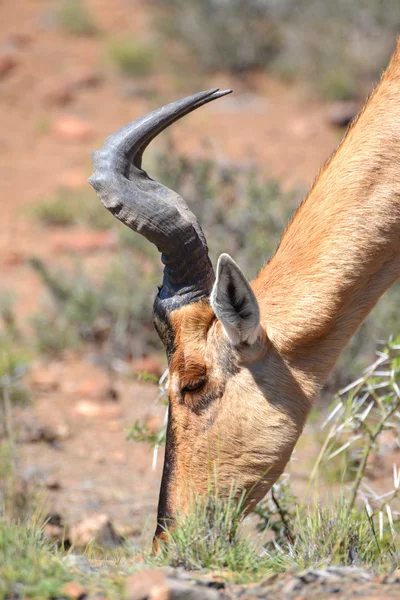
<point>46,138</point>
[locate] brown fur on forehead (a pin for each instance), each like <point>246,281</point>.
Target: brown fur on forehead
<point>190,324</point>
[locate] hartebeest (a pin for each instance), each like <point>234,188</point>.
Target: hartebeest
<point>246,361</point>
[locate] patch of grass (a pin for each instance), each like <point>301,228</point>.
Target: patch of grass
<point>73,17</point>
<point>13,365</point>
<point>131,57</point>
<point>66,208</point>
<point>338,84</point>
<point>33,567</point>
<point>55,212</point>
<point>333,535</point>
<point>28,564</point>
<point>42,125</point>
<point>7,315</point>
<point>208,538</point>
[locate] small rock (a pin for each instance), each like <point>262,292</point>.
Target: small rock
<point>8,62</point>
<point>36,432</point>
<point>119,457</point>
<point>341,114</point>
<point>19,39</point>
<point>77,563</point>
<point>74,590</point>
<point>96,389</point>
<point>58,93</point>
<point>146,584</point>
<point>14,257</point>
<point>97,529</point>
<point>45,380</point>
<point>86,78</point>
<point>87,408</point>
<point>155,585</point>
<point>72,129</point>
<point>52,434</point>
<point>52,483</point>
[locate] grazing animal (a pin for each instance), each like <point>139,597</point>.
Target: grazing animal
<point>247,360</point>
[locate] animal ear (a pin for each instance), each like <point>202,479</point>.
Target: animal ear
<point>234,303</point>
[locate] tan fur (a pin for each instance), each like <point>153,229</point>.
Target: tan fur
<point>337,257</point>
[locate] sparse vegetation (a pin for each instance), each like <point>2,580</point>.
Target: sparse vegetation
<point>322,43</point>
<point>13,365</point>
<point>131,57</point>
<point>29,563</point>
<point>111,314</point>
<point>73,17</point>
<point>208,538</point>
<point>239,36</point>
<point>66,208</point>
<point>233,202</point>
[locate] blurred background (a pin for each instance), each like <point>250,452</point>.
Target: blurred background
<point>79,360</point>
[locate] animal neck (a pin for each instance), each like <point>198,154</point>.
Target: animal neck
<point>342,249</point>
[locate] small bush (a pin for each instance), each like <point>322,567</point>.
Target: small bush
<point>55,212</point>
<point>131,58</point>
<point>73,17</point>
<point>66,208</point>
<point>208,537</point>
<point>234,36</point>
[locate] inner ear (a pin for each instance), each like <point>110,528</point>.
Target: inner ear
<point>234,303</point>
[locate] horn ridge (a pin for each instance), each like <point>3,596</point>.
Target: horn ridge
<point>153,210</point>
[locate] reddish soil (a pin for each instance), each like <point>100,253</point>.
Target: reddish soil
<point>45,142</point>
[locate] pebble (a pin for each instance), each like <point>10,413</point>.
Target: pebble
<point>98,529</point>
<point>72,129</point>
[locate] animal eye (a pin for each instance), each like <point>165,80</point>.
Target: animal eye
<point>195,386</point>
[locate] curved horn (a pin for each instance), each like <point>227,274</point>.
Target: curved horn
<point>152,209</point>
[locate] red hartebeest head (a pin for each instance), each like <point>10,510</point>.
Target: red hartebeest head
<point>247,360</point>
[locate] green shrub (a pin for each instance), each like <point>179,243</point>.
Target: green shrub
<point>56,211</point>
<point>208,537</point>
<point>132,58</point>
<point>234,36</point>
<point>73,17</point>
<point>66,208</point>
<point>29,563</point>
